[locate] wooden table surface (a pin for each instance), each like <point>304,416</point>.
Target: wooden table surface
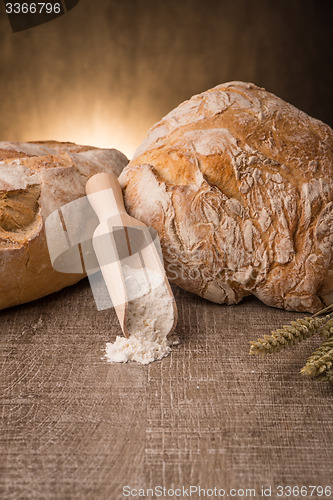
<point>76,427</point>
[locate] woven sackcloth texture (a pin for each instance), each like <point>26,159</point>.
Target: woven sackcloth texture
<point>74,426</point>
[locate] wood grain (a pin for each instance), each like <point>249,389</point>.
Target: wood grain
<point>74,426</point>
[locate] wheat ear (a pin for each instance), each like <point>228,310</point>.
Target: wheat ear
<point>327,329</point>
<point>320,361</point>
<point>326,376</point>
<point>289,335</point>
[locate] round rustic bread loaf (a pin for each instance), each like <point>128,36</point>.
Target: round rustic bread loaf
<point>35,180</point>
<point>239,186</point>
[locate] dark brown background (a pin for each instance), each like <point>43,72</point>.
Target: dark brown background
<point>107,70</point>
<point>73,426</point>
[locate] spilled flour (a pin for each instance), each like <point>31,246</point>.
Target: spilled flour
<point>150,317</point>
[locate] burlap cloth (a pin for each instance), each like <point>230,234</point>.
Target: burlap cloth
<point>74,426</point>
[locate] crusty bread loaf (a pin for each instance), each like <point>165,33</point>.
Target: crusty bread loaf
<point>35,180</point>
<point>239,186</point>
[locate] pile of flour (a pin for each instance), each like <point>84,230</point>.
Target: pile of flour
<point>150,317</point>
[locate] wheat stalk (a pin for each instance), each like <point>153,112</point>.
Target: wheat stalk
<point>323,311</point>
<point>327,329</point>
<point>289,335</point>
<point>320,361</point>
<point>327,376</point>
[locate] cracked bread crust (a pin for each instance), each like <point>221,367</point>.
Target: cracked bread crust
<point>35,180</point>
<point>239,185</point>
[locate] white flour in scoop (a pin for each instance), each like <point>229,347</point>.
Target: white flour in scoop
<point>150,317</point>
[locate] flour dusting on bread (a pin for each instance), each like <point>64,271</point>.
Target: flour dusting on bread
<point>239,185</point>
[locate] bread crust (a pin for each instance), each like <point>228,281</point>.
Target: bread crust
<point>239,185</point>
<point>36,179</point>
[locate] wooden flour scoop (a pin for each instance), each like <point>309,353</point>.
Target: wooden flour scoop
<point>121,240</point>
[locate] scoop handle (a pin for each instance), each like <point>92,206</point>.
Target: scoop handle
<point>105,195</point>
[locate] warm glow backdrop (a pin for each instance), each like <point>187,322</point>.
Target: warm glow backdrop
<point>107,70</point>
